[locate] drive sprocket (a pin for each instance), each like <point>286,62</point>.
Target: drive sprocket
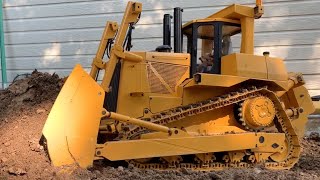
<point>257,113</point>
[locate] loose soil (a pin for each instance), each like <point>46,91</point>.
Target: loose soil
<point>24,107</point>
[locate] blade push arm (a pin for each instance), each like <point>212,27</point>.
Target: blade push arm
<point>108,34</point>
<point>131,15</point>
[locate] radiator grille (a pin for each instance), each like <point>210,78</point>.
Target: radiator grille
<point>170,73</point>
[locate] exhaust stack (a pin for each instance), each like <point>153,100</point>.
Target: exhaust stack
<point>177,29</point>
<point>167,29</point>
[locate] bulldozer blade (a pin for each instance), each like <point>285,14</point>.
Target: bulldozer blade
<point>71,129</point>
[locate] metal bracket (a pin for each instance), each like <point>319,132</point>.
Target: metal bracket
<point>98,63</point>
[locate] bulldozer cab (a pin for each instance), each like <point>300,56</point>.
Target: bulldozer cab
<point>208,40</point>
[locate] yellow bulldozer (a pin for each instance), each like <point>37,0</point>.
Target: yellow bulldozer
<point>198,106</point>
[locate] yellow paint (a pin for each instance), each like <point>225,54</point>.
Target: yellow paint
<point>109,33</point>
<point>244,65</point>
<point>72,126</point>
<point>131,15</point>
<point>185,145</point>
<point>156,82</point>
<point>316,104</point>
<point>276,69</point>
<point>258,112</point>
<point>161,103</point>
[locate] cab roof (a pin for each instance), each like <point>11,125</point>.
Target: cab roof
<point>231,14</point>
<point>206,31</point>
<point>211,20</point>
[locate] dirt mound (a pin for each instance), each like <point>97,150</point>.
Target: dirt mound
<point>24,107</point>
<point>24,93</point>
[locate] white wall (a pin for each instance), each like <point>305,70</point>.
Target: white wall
<point>54,35</point>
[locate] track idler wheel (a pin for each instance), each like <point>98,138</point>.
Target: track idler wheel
<point>281,156</point>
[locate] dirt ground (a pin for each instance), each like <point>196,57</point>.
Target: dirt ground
<point>24,107</point>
